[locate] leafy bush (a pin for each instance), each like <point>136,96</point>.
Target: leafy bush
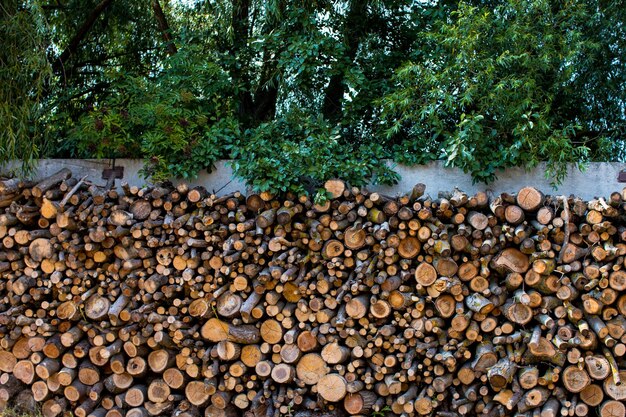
<point>298,153</point>
<point>180,121</point>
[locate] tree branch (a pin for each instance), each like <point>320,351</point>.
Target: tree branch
<point>164,27</point>
<point>72,47</point>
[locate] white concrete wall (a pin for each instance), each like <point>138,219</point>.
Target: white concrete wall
<point>599,180</point>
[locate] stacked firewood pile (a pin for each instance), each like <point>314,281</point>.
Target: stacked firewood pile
<point>165,300</point>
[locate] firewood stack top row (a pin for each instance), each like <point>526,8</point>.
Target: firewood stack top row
<point>171,301</point>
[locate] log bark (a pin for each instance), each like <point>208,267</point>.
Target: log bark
<point>160,300</point>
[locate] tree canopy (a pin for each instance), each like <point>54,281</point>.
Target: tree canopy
<point>296,92</point>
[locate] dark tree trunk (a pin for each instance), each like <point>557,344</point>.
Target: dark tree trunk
<point>241,14</point>
<point>164,27</point>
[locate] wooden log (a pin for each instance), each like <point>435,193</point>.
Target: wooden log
<point>46,184</point>
<point>511,260</point>
<point>597,366</point>
<point>332,387</point>
<point>575,379</point>
<point>311,368</point>
<point>615,388</point>
<point>198,393</point>
<point>158,391</point>
<point>612,408</point>
<point>360,402</point>
<point>216,330</point>
<point>501,374</point>
<point>530,199</point>
<point>158,300</point>
<point>425,274</point>
<point>592,395</point>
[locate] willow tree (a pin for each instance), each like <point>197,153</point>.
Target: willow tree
<point>24,81</point>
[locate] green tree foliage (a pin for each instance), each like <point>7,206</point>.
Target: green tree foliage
<point>493,87</point>
<point>310,151</point>
<point>182,120</point>
<point>297,92</point>
<point>24,76</point>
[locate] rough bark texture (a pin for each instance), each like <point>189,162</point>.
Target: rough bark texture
<point>172,301</point>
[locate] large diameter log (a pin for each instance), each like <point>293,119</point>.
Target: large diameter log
<point>332,248</point>
<point>271,331</point>
<point>40,249</point>
<point>199,392</point>
<point>228,304</point>
<point>216,330</point>
<point>485,357</point>
<point>409,247</point>
<point>158,391</point>
<point>425,274</point>
<point>616,389</point>
<point>283,373</point>
<point>360,402</point>
<point>332,387</point>
<point>517,312</point>
<point>354,237</point>
<point>597,366</point>
<point>97,307</point>
<point>532,399</point>
<point>511,260</point>
<point>612,408</point>
<point>592,395</point>
<point>335,187</point>
<point>575,379</point>
<point>7,361</point>
<point>530,199</point>
<point>311,368</point>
